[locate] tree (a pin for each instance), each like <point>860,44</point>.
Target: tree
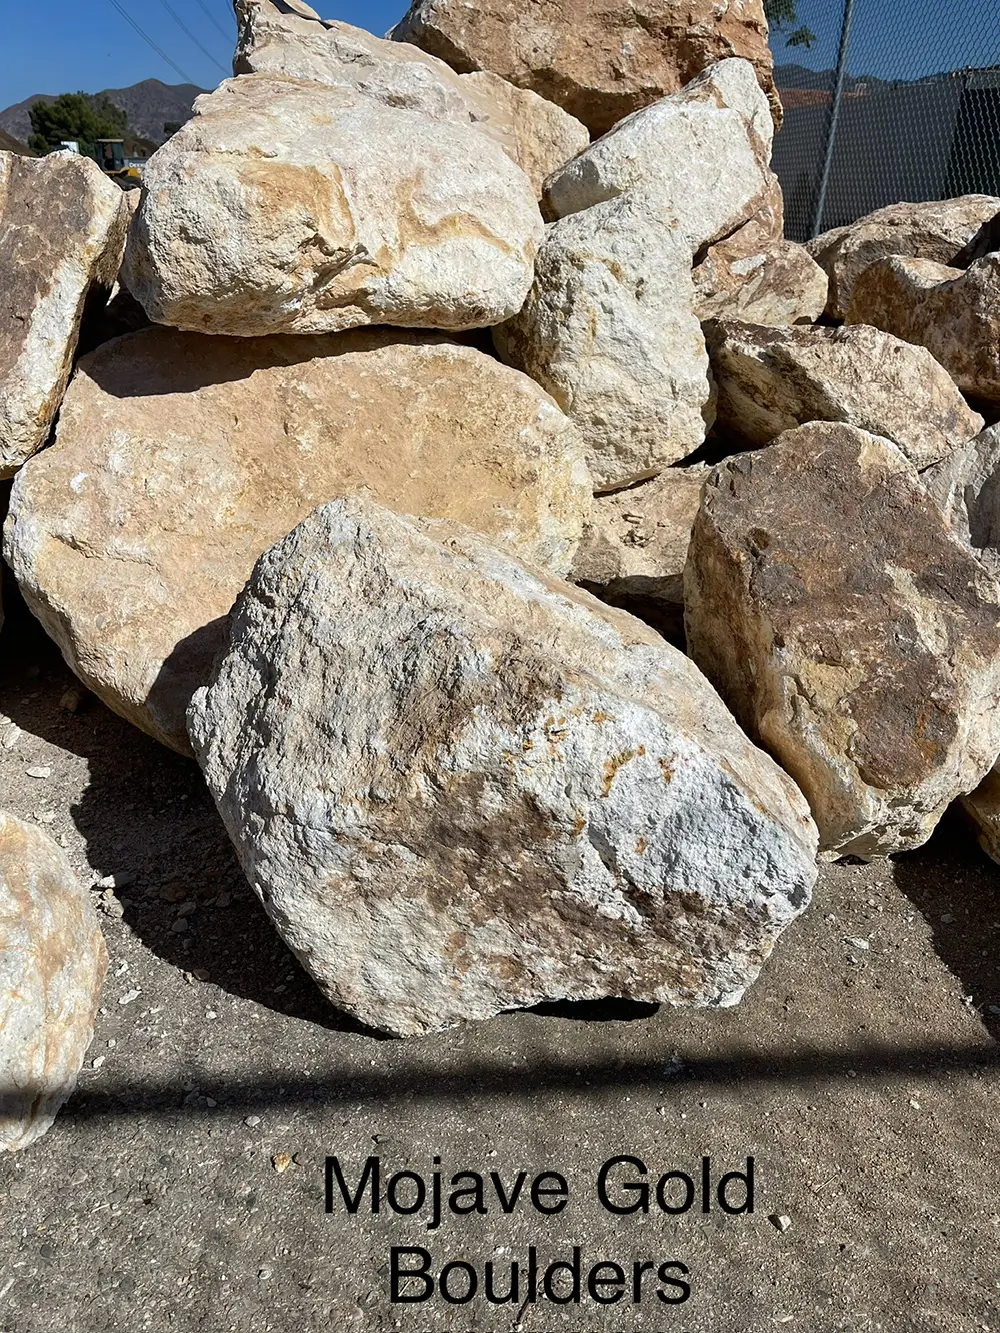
<point>781,15</point>
<point>76,116</point>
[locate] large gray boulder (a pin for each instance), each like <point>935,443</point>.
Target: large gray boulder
<point>850,632</point>
<point>460,787</point>
<point>52,966</point>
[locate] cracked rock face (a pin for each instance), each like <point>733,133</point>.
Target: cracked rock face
<point>762,281</point>
<point>180,458</point>
<point>770,380</point>
<point>954,313</point>
<point>939,230</point>
<point>54,259</point>
<point>966,485</point>
<point>538,135</point>
<point>52,966</point>
<point>851,633</point>
<point>600,59</point>
<point>460,787</point>
<point>287,206</point>
<point>610,328</point>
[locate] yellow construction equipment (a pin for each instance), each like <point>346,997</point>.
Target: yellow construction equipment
<point>110,154</point>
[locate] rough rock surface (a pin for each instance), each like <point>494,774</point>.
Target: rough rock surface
<point>705,153</point>
<point>286,206</point>
<point>850,632</point>
<point>769,282</point>
<point>179,459</point>
<point>637,541</point>
<point>62,234</point>
<point>52,966</point>
<point>460,788</point>
<point>966,485</point>
<point>955,314</point>
<point>622,354</point>
<point>600,59</point>
<point>610,328</point>
<point>983,807</point>
<point>772,379</point>
<point>937,230</point>
<point>538,135</point>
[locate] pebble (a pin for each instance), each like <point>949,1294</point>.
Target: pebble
<point>281,1161</point>
<point>180,925</point>
<point>128,997</point>
<point>252,1120</point>
<point>38,772</point>
<point>11,737</point>
<point>914,1104</point>
<point>99,1061</point>
<point>780,1221</point>
<point>73,698</point>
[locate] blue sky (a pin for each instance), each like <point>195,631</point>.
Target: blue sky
<point>64,45</point>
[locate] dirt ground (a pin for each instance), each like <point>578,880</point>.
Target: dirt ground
<point>861,1073</point>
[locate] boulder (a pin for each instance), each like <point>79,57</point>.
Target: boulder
<point>62,234</point>
<point>762,282</point>
<point>286,206</point>
<point>983,808</point>
<point>180,458</point>
<point>636,543</point>
<point>966,485</point>
<point>704,152</point>
<point>940,230</point>
<point>460,787</point>
<point>609,330</point>
<point>52,967</point>
<point>770,380</point>
<point>538,135</point>
<point>600,59</point>
<point>850,632</point>
<point>955,314</point>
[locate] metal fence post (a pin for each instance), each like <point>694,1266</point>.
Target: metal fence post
<point>838,93</point>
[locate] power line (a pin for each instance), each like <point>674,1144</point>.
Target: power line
<point>149,41</point>
<point>211,18</point>
<point>185,29</point>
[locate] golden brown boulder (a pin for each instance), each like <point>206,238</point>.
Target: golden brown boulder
<point>180,458</point>
<point>62,234</point>
<point>599,59</point>
<point>850,632</point>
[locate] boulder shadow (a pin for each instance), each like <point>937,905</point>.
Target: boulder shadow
<point>956,887</point>
<point>148,820</point>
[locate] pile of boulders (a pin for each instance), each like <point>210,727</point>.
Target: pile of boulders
<point>424,370</point>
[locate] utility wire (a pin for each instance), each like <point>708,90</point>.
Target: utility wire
<point>185,29</point>
<point>149,41</point>
<point>211,18</point>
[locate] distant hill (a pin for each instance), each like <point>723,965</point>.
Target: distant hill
<point>8,144</point>
<point>149,106</point>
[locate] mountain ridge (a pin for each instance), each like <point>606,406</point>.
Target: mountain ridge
<point>149,105</point>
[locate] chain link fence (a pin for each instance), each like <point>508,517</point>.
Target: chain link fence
<point>885,100</point>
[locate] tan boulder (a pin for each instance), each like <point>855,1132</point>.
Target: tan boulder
<point>538,135</point>
<point>52,967</point>
<point>966,486</point>
<point>938,229</point>
<point>955,314</point>
<point>636,544</point>
<point>762,282</point>
<point>179,459</point>
<point>850,632</point>
<point>610,328</point>
<point>599,59</point>
<point>286,206</point>
<point>983,808</point>
<point>769,380</point>
<point>460,786</point>
<point>62,235</point>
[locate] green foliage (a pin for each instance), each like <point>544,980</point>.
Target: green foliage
<point>78,116</point>
<point>781,14</point>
